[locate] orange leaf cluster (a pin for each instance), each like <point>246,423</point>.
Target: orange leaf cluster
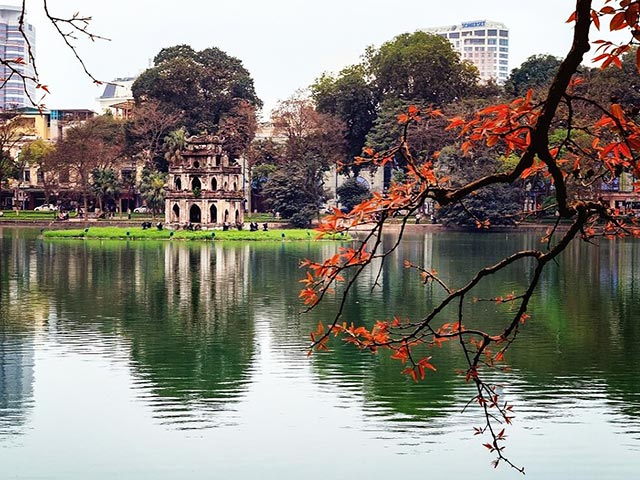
<point>418,370</point>
<point>509,123</point>
<point>625,16</point>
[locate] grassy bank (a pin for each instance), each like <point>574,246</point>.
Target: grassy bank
<point>30,215</point>
<point>137,233</point>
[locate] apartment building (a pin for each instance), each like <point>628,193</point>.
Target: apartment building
<point>14,45</point>
<point>482,42</point>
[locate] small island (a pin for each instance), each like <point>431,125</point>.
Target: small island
<point>139,233</point>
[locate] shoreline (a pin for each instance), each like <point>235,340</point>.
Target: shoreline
<point>411,227</point>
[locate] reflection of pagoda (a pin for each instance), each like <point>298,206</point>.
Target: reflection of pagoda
<point>203,186</point>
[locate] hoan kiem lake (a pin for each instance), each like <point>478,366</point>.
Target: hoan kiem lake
<point>174,360</point>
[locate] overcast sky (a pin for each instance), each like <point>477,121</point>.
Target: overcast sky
<point>285,44</point>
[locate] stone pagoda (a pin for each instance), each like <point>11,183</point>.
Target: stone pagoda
<point>203,187</point>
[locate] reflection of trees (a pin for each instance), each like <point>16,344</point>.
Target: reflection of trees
<point>584,320</point>
<point>189,314</point>
<point>588,307</point>
<point>183,309</point>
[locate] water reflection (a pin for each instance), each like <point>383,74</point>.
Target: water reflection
<point>209,333</point>
<point>16,382</point>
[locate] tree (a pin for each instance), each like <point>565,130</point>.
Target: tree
<point>293,195</point>
<point>39,152</point>
<point>145,133</point>
<point>152,190</point>
<point>238,128</point>
<point>95,144</point>
<point>496,205</point>
<point>350,97</point>
<point>204,87</point>
<point>264,157</point>
<point>422,67</point>
<point>10,135</point>
<point>352,192</point>
<point>105,185</point>
<point>520,127</point>
<point>313,143</point>
<point>620,85</point>
<point>535,72</point>
<point>174,142</point>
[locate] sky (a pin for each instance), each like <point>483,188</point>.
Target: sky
<point>285,44</point>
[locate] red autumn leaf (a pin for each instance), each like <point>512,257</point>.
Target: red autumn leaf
<point>618,22</point>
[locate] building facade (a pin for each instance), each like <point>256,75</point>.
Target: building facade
<point>483,43</point>
<point>15,45</point>
<point>204,186</point>
<point>117,98</point>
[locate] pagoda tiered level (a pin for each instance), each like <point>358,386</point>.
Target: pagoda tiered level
<point>203,186</point>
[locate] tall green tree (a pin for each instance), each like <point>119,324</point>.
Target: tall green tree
<point>174,142</point>
<point>537,71</point>
<point>204,87</point>
<point>350,97</point>
<point>39,152</point>
<point>620,85</point>
<point>152,190</point>
<point>496,205</point>
<point>105,185</point>
<point>10,135</point>
<point>352,192</point>
<point>423,67</point>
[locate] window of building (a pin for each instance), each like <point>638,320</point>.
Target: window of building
<point>492,33</point>
<point>454,35</point>
<point>466,34</point>
<point>504,33</point>
<point>26,175</point>
<point>504,55</point>
<point>504,62</point>
<point>492,41</point>
<point>40,176</point>
<point>479,33</point>
<point>504,49</point>
<point>504,41</point>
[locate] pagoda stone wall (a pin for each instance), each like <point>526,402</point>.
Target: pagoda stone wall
<point>203,186</point>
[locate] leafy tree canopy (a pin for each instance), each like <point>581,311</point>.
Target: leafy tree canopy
<point>350,97</point>
<point>152,189</point>
<point>205,87</point>
<point>494,205</point>
<point>535,72</point>
<point>352,192</point>
<point>423,67</point>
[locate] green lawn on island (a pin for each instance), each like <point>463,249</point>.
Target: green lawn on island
<point>137,233</point>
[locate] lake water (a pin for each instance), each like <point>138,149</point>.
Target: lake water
<point>187,361</point>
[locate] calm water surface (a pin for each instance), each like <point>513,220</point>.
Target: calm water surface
<point>175,361</point>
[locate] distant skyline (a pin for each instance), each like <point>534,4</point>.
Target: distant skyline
<point>284,44</point>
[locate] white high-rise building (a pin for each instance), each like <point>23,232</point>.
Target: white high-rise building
<point>482,42</point>
<point>14,45</point>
